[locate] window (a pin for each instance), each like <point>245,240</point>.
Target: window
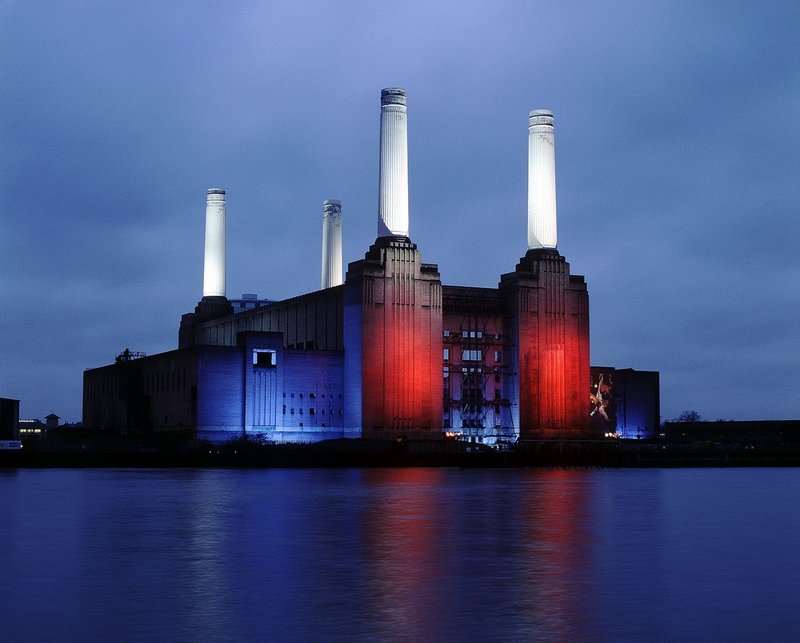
<point>464,333</point>
<point>312,411</point>
<point>446,354</point>
<point>446,333</point>
<point>479,334</point>
<point>497,356</point>
<point>264,358</point>
<point>470,355</point>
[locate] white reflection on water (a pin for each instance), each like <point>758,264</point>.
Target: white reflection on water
<point>399,554</point>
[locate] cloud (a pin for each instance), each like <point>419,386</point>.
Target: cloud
<point>676,143</point>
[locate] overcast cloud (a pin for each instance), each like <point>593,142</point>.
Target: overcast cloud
<point>677,153</point>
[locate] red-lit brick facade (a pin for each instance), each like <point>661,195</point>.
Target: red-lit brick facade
<point>393,331</point>
<point>548,325</point>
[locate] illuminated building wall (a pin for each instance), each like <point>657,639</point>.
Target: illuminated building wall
<point>548,327</point>
<point>217,393</point>
<point>625,402</point>
<point>312,321</point>
<point>474,364</point>
<point>393,329</point>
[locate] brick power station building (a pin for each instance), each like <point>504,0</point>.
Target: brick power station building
<point>389,351</point>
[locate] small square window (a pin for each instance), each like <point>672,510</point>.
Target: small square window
<point>264,358</point>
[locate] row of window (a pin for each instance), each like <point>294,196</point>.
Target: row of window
<point>313,411</point>
<point>471,355</point>
<point>312,395</point>
<point>470,334</point>
<point>474,409</point>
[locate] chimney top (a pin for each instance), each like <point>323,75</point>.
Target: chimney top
<point>540,117</point>
<point>393,96</point>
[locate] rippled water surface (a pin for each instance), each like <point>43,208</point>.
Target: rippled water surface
<point>400,554</point>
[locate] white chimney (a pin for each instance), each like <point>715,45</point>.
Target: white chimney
<point>331,244</point>
<point>393,184</point>
<point>214,262</point>
<point>542,231</point>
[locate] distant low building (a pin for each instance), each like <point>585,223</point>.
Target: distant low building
<point>248,301</point>
<point>9,419</point>
<point>741,431</point>
<point>30,427</point>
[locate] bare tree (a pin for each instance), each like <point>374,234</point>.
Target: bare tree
<point>689,416</point>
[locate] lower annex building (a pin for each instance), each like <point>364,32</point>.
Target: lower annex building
<point>388,351</point>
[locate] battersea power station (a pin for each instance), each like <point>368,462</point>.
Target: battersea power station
<point>388,351</point>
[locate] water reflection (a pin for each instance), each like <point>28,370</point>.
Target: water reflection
<point>553,536</point>
<point>405,554</point>
<point>405,543</point>
<point>447,553</point>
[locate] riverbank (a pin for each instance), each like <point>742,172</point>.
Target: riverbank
<point>113,451</point>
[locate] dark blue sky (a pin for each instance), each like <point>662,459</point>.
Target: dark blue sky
<point>677,153</point>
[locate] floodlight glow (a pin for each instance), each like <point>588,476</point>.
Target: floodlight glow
<point>393,182</point>
<point>214,258</point>
<point>542,232</point>
<point>331,244</point>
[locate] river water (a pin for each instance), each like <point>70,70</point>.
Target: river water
<point>400,555</point>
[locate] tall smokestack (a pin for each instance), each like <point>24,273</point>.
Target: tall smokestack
<point>542,231</point>
<point>214,262</point>
<point>393,188</point>
<point>331,244</point>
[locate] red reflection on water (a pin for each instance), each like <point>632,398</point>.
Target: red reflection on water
<point>555,517</point>
<point>403,550</point>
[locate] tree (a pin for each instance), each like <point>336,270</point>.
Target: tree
<point>689,416</point>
